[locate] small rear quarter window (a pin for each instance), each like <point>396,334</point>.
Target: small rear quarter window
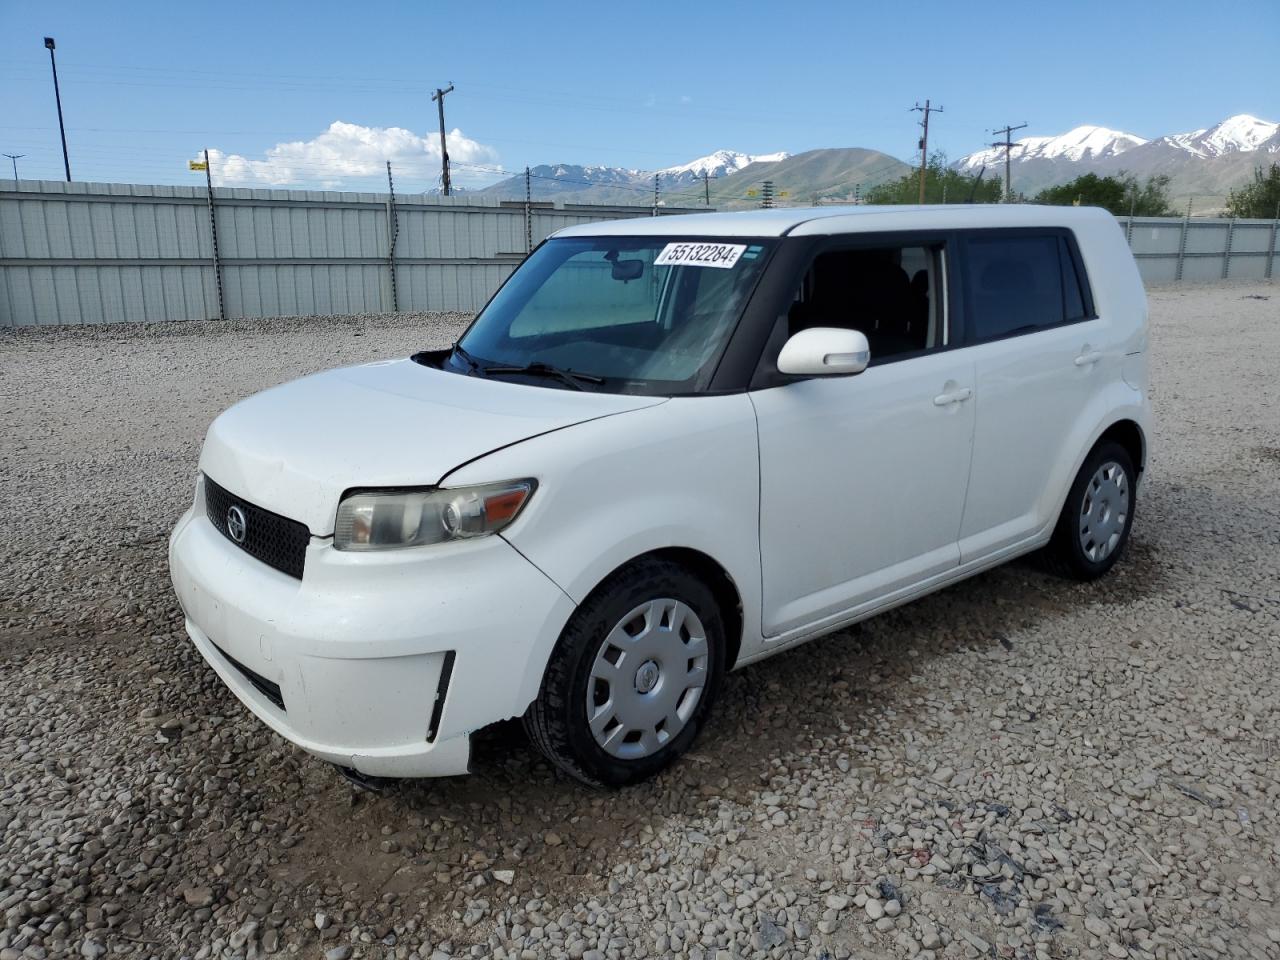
<point>1072,292</point>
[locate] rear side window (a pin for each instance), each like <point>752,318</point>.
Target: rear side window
<point>1020,284</point>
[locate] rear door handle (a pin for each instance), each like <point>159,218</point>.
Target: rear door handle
<point>1087,357</point>
<point>954,396</point>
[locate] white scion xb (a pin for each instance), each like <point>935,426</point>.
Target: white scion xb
<point>666,448</point>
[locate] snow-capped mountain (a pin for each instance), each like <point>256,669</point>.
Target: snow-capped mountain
<point>1202,165</point>
<point>718,164</point>
<point>1239,134</point>
<point>624,184</point>
<point>1081,143</point>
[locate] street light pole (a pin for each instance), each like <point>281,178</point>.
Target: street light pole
<point>66,162</point>
<point>15,157</point>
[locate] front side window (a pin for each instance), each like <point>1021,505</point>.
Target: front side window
<point>636,315</point>
<point>1020,284</point>
<point>891,294</point>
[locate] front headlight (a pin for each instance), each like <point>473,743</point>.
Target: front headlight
<point>384,519</point>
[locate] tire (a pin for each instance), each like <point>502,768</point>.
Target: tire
<point>1093,528</point>
<point>641,636</point>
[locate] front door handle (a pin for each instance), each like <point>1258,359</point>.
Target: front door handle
<point>1087,357</point>
<point>954,396</point>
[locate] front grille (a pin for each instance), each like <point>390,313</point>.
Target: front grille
<point>260,683</point>
<point>275,540</point>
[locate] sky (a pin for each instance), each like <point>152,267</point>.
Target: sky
<point>320,95</point>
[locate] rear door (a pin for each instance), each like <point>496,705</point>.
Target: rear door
<point>1040,354</point>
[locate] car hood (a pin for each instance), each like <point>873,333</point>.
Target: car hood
<point>294,449</point>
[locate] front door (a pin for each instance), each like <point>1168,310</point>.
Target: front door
<point>862,478</point>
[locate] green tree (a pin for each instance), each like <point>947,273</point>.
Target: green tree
<point>1260,199</point>
<point>942,184</point>
<point>1121,195</point>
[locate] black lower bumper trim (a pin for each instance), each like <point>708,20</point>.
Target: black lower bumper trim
<point>260,683</point>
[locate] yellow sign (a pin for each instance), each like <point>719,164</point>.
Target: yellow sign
<point>197,165</point>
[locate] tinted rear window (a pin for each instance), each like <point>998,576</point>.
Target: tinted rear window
<point>1015,284</point>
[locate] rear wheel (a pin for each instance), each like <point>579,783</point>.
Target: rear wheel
<point>632,677</point>
<point>1096,519</point>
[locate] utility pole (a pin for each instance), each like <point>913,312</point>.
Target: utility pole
<point>706,187</point>
<point>15,157</point>
<point>438,97</point>
<point>1007,143</point>
<point>57,96</point>
<point>924,140</point>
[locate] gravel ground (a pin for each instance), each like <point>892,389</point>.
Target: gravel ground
<point>1016,767</point>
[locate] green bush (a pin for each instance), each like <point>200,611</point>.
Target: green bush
<point>941,185</point>
<point>1122,194</point>
<point>1260,199</point>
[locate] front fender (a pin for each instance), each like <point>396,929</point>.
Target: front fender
<point>681,474</point>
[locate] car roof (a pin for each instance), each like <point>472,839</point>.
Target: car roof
<point>801,221</point>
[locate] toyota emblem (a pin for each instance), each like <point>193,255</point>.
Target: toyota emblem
<point>236,525</point>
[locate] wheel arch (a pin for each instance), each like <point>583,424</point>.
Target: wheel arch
<point>710,571</point>
<point>1129,435</point>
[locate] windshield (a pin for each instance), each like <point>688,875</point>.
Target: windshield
<point>637,315</point>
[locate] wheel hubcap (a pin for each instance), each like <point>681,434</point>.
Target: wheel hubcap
<point>1104,511</point>
<point>647,676</point>
<point>647,679</point>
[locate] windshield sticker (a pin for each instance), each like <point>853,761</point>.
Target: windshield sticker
<point>722,255</point>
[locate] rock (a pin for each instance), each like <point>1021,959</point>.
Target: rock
<point>198,896</point>
<point>875,909</point>
<point>505,876</point>
<point>341,952</point>
<point>769,934</point>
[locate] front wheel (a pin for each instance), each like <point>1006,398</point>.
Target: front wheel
<point>1096,519</point>
<point>632,677</point>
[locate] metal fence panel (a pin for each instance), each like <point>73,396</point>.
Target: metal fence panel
<point>103,253</point>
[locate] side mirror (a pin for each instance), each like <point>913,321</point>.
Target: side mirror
<point>825,352</point>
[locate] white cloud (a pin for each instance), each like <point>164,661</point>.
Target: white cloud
<point>351,151</point>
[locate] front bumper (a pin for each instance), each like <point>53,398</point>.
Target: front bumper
<point>383,662</point>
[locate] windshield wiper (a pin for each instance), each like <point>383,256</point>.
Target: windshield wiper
<point>471,361</point>
<point>540,369</point>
